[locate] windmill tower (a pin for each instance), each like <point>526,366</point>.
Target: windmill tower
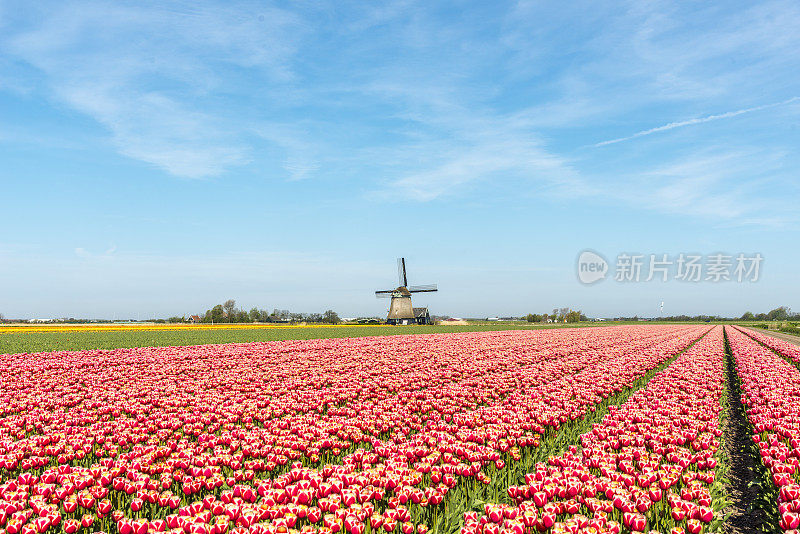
<point>400,309</point>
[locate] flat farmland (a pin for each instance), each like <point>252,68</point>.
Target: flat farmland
<point>33,338</point>
<point>588,430</point>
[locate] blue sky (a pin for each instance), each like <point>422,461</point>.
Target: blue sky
<point>157,158</point>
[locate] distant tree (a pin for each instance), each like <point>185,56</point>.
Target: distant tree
<point>229,306</point>
<point>533,318</point>
<point>296,317</point>
<point>545,317</point>
<point>314,318</point>
<point>2,318</point>
<point>257,315</point>
<point>572,316</point>
<point>214,315</point>
<point>583,317</point>
<point>331,317</point>
<point>280,315</point>
<point>176,320</point>
<point>748,316</point>
<point>779,314</point>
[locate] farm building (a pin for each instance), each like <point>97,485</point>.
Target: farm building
<point>422,315</point>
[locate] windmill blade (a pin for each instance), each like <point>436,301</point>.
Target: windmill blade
<point>401,272</point>
<point>383,294</point>
<point>423,289</point>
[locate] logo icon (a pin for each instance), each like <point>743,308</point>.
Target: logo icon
<point>592,267</point>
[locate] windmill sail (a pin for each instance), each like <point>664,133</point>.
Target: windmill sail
<point>401,272</point>
<point>423,289</point>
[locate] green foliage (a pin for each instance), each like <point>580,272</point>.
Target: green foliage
<point>23,341</point>
<point>331,317</point>
<point>214,315</point>
<point>790,329</point>
<point>779,314</point>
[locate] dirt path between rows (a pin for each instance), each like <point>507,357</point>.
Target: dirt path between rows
<point>742,474</point>
<point>780,335</point>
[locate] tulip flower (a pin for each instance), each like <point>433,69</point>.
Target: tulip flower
<point>256,438</point>
<point>71,526</point>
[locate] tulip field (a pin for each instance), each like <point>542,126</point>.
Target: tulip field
<point>771,394</point>
<point>578,431</point>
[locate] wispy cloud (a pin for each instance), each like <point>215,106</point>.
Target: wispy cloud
<point>451,142</point>
<point>400,104</point>
<point>525,163</point>
<point>300,154</point>
<point>699,120</point>
<point>150,74</point>
<point>723,186</point>
<point>83,253</point>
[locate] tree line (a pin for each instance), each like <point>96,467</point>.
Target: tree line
<point>559,315</point>
<point>781,313</point>
<point>227,312</point>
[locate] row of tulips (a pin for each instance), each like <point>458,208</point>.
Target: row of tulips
<point>317,436</point>
<point>771,395</point>
<point>650,464</point>
<point>786,349</point>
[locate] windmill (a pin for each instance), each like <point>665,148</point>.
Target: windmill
<point>400,309</point>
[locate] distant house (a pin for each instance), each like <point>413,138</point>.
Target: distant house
<point>194,319</point>
<point>422,316</point>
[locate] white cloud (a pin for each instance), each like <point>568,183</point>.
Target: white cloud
<point>724,187</point>
<point>145,73</point>
<point>490,160</point>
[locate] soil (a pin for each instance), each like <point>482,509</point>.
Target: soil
<point>744,464</point>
